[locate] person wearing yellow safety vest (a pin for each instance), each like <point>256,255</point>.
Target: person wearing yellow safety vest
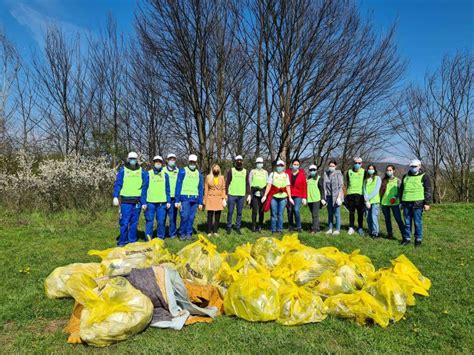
<point>130,186</point>
<point>236,189</point>
<point>172,172</point>
<point>390,200</point>
<point>415,192</point>
<point>355,196</point>
<point>372,183</point>
<point>258,182</point>
<point>157,199</point>
<point>277,194</point>
<point>315,190</point>
<point>188,197</point>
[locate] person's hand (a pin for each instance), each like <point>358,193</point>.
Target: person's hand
<point>264,198</point>
<point>144,207</point>
<point>324,203</point>
<point>393,200</point>
<point>426,207</point>
<point>224,203</point>
<point>200,207</point>
<point>304,202</point>
<point>367,204</point>
<point>249,199</point>
<point>177,205</point>
<point>291,201</point>
<point>168,205</point>
<point>338,201</point>
<point>115,202</point>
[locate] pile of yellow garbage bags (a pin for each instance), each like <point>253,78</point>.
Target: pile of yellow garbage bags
<point>270,280</point>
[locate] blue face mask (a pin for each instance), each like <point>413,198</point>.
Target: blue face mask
<point>414,169</point>
<point>389,173</point>
<point>332,169</point>
<point>312,173</point>
<point>357,166</point>
<point>259,165</point>
<point>192,166</point>
<point>280,169</point>
<point>158,166</point>
<point>371,171</point>
<point>133,162</point>
<point>171,163</point>
<point>295,168</point>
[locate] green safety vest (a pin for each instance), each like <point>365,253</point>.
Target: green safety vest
<point>173,177</point>
<point>413,189</point>
<point>259,178</point>
<point>314,195</point>
<point>370,187</point>
<point>391,191</point>
<point>190,182</point>
<point>132,183</point>
<point>156,187</point>
<point>280,180</point>
<point>356,182</point>
<point>237,184</point>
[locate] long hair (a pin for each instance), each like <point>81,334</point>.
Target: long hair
<point>366,174</point>
<point>385,179</point>
<point>211,175</point>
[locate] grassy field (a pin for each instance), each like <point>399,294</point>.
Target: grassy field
<point>31,323</point>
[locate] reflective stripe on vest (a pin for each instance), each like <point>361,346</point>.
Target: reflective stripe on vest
<point>391,190</point>
<point>370,187</point>
<point>413,189</point>
<point>259,178</point>
<point>156,187</point>
<point>314,195</point>
<point>190,182</point>
<point>132,183</point>
<point>173,177</point>
<point>280,180</point>
<point>356,182</point>
<point>237,184</point>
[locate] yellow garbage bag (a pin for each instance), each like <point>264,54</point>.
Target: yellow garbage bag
<point>405,271</point>
<point>388,291</point>
<point>300,305</point>
<point>111,314</point>
<point>360,306</point>
<point>343,280</point>
<point>199,261</point>
<point>55,284</point>
<point>121,260</point>
<point>253,298</point>
<point>268,252</point>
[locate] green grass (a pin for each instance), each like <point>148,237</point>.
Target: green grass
<point>440,323</point>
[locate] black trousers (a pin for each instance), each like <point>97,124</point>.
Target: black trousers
<point>257,207</point>
<point>355,202</point>
<point>213,219</point>
<point>314,208</point>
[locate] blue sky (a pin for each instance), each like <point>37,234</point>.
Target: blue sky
<point>427,29</point>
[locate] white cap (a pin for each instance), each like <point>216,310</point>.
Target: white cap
<point>170,155</point>
<point>193,157</point>
<point>238,157</point>
<point>132,155</point>
<point>358,159</point>
<point>259,160</point>
<point>415,162</point>
<point>157,157</point>
<point>313,167</point>
<point>280,162</point>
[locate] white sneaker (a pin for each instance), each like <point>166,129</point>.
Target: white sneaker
<point>329,231</point>
<point>351,231</point>
<point>336,233</point>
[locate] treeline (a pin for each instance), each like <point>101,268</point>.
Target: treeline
<point>297,78</point>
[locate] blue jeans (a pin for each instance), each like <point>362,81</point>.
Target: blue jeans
<point>128,221</point>
<point>232,201</point>
<point>373,219</point>
<point>395,210</point>
<point>187,215</point>
<point>158,211</point>
<point>333,211</point>
<point>294,212</point>
<point>415,215</point>
<point>277,209</point>
<point>172,213</point>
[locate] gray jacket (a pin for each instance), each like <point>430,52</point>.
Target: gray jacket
<point>333,184</point>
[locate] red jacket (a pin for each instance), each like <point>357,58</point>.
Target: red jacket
<point>299,189</point>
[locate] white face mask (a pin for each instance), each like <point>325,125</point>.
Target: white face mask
<point>158,166</point>
<point>259,165</point>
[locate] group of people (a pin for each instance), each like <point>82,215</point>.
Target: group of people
<point>164,191</point>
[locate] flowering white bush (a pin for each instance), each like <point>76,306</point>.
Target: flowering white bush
<point>75,182</point>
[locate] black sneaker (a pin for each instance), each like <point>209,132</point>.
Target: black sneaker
<point>238,231</point>
<point>417,243</point>
<point>254,229</point>
<point>390,236</point>
<point>228,231</point>
<point>404,242</point>
<point>298,230</point>
<point>290,229</point>
<point>259,229</point>
<point>375,236</point>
